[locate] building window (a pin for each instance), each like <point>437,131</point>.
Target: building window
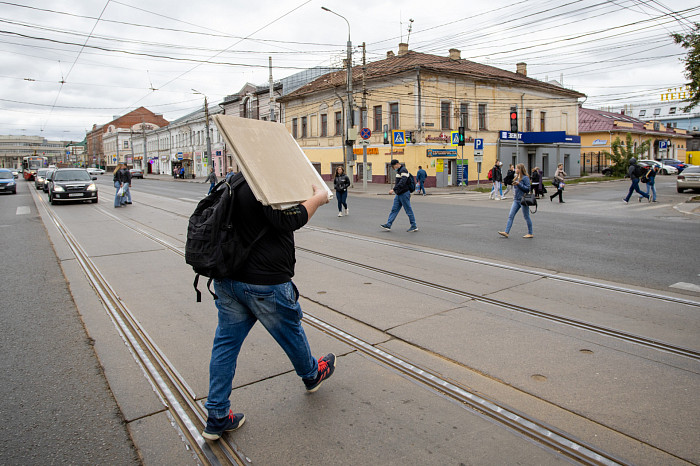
<point>324,125</point>
<point>528,121</point>
<point>338,123</point>
<point>445,115</point>
<point>303,127</point>
<point>464,115</point>
<point>672,110</point>
<point>642,113</point>
<point>294,128</point>
<point>482,117</point>
<point>542,118</point>
<point>657,111</point>
<point>126,144</point>
<point>394,116</point>
<point>378,118</point>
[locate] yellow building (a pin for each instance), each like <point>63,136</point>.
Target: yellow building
<point>598,130</point>
<point>426,98</point>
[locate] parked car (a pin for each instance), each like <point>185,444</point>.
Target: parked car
<point>677,164</point>
<point>72,184</point>
<point>40,178</point>
<point>95,171</point>
<point>689,179</point>
<point>47,178</point>
<point>664,169</point>
<point>136,173</point>
<point>7,181</point>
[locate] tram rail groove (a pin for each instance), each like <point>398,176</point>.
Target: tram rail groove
<point>558,441</point>
<point>167,382</point>
<point>550,276</point>
<point>587,326</point>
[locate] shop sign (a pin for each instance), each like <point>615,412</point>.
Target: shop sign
<point>370,151</point>
<point>441,152</point>
<point>442,137</point>
<point>600,142</point>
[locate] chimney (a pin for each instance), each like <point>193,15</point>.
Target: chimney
<point>521,68</point>
<point>403,49</point>
<point>455,54</point>
<point>390,54</point>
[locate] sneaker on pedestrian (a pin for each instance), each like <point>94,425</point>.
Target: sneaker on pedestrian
<point>498,198</point>
<point>216,427</point>
<point>326,366</point>
<point>648,199</point>
<point>640,198</point>
<point>529,235</point>
<point>413,229</point>
<point>386,227</point>
<point>625,201</point>
<point>503,233</point>
<point>347,212</point>
<point>340,214</point>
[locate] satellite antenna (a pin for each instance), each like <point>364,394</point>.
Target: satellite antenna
<point>149,82</point>
<point>410,27</point>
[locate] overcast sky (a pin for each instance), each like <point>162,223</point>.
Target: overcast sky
<point>67,65</point>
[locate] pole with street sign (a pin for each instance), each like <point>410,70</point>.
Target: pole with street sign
<point>478,156</point>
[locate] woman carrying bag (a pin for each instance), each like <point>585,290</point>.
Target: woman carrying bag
<point>119,184</point>
<point>521,186</point>
<point>341,182</point>
<point>558,181</point>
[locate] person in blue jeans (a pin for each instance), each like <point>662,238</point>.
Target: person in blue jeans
<point>521,185</point>
<point>341,182</point>
<point>635,172</point>
<point>120,179</point>
<point>421,175</point>
<point>651,180</point>
<point>211,178</point>
<point>402,198</point>
<point>261,290</point>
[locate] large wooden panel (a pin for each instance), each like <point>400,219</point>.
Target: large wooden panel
<point>278,172</point>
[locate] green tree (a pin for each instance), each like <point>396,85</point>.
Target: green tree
<point>691,42</point>
<point>622,153</point>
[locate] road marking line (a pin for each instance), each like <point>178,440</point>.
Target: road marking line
<point>188,199</point>
<point>23,210</point>
<point>686,286</point>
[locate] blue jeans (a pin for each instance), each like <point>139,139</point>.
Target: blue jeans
<point>402,200</point>
<point>342,197</point>
<point>650,186</point>
<point>497,186</point>
<point>514,210</point>
<point>118,200</point>
<point>240,305</point>
<point>127,196</point>
<point>421,189</point>
<point>635,187</point>
<point>211,188</point>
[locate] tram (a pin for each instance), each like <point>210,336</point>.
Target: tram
<point>31,164</point>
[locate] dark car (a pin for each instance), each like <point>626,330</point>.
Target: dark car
<point>7,181</point>
<point>47,178</point>
<point>40,178</point>
<point>680,166</point>
<point>72,184</point>
<point>136,173</point>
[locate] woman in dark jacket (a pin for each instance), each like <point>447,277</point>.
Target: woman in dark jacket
<point>341,182</point>
<point>535,179</point>
<point>120,179</point>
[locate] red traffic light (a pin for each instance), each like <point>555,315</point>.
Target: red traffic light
<point>513,115</point>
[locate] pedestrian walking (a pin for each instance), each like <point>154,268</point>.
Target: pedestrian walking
<point>211,178</point>
<point>559,183</point>
<point>402,198</point>
<point>230,174</point>
<point>535,180</point>
<point>508,180</point>
<point>341,182</point>
<point>497,179</point>
<point>650,177</point>
<point>119,179</point>
<point>635,172</point>
<point>127,186</point>
<point>175,171</point>
<point>421,175</point>
<point>182,173</point>
<point>521,185</point>
<point>261,290</point>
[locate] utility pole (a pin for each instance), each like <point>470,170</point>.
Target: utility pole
<point>143,131</point>
<point>364,117</point>
<point>272,93</point>
<point>206,126</point>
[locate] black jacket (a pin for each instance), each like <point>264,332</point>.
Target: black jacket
<point>122,175</point>
<point>510,176</point>
<point>341,182</point>
<point>401,184</point>
<point>271,261</point>
<point>496,173</point>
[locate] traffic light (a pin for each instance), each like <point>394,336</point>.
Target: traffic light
<point>514,119</point>
<point>461,136</point>
<point>386,134</point>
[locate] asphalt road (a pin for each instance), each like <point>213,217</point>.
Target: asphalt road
<point>593,234</point>
<point>55,402</point>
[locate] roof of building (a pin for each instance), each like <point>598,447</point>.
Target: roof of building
<point>410,61</point>
<point>594,121</point>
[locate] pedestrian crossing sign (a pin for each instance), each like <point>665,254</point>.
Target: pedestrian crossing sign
<point>399,137</point>
<point>455,138</point>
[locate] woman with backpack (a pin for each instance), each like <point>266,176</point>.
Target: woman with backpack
<point>558,182</point>
<point>521,186</point>
<point>341,182</point>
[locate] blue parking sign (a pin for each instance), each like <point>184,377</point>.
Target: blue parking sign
<point>478,144</point>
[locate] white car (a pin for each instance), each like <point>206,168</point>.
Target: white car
<point>95,171</point>
<point>663,168</point>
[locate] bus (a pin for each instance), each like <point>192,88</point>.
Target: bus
<point>31,164</point>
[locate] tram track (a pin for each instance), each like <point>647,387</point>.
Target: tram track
<point>554,439</point>
<point>174,392</point>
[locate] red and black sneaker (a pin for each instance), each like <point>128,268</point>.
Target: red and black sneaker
<point>216,427</point>
<point>326,366</point>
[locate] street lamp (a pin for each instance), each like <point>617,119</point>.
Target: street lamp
<point>349,76</point>
<point>206,125</point>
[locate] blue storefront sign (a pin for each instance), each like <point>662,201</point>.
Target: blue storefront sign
<point>545,137</point>
<point>442,152</point>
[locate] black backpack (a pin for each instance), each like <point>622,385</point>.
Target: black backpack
<point>213,247</point>
<point>639,171</point>
<point>411,183</point>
